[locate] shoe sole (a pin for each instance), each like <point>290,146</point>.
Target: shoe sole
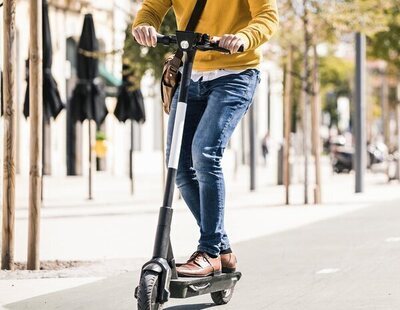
<point>216,273</point>
<point>228,270</point>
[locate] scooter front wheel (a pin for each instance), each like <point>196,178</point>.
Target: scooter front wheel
<point>148,291</point>
<point>222,297</point>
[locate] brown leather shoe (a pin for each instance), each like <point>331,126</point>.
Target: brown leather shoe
<point>228,262</point>
<point>200,265</point>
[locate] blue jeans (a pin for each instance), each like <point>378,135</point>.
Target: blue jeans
<point>213,111</point>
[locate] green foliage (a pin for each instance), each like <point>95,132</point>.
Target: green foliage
<point>335,78</point>
<point>386,44</point>
<point>139,59</point>
<point>328,21</point>
<point>347,16</point>
<point>335,75</point>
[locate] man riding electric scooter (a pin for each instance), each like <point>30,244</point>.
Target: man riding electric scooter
<point>219,93</point>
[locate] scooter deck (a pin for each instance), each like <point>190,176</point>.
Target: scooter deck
<point>189,287</point>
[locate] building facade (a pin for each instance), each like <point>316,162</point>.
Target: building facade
<point>111,19</point>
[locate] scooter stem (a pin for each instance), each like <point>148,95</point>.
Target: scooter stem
<point>162,243</point>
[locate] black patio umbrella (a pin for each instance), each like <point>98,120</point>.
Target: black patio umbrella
<point>88,97</point>
<point>52,103</point>
<point>130,106</point>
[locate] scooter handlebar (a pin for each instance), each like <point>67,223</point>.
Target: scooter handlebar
<point>166,40</point>
<point>214,46</point>
<point>210,46</point>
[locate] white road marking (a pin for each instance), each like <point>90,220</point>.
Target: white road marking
<point>328,270</point>
<point>393,239</point>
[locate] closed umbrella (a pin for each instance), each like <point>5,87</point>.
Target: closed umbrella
<point>88,98</point>
<point>130,106</point>
<point>52,103</point>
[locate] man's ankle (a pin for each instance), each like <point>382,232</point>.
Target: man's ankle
<point>212,255</point>
<point>227,251</point>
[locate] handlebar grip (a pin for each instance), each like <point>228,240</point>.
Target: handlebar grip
<point>216,47</point>
<point>166,40</point>
<point>163,39</point>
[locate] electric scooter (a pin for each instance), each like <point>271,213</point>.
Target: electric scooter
<point>159,279</point>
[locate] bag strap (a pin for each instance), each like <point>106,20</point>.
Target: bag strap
<point>196,14</point>
<point>193,21</point>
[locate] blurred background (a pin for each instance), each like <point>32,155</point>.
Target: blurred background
<point>331,43</point>
<point>325,124</point>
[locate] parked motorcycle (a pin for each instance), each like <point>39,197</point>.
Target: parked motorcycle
<point>342,156</point>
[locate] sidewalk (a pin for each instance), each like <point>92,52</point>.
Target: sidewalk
<point>116,231</point>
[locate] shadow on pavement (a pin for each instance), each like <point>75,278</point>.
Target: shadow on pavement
<point>191,307</point>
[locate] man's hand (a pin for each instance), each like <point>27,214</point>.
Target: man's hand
<point>230,42</point>
<point>145,35</point>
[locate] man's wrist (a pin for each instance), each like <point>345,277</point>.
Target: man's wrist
<point>244,39</point>
<point>138,25</point>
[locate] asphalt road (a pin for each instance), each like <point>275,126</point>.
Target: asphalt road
<point>346,263</point>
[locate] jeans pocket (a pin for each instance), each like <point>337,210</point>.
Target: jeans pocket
<point>251,73</point>
<point>253,81</point>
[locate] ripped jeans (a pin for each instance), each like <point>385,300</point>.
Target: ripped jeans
<point>214,109</point>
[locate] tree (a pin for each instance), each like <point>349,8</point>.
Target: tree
<point>385,45</point>
<point>335,75</point>
<point>139,59</point>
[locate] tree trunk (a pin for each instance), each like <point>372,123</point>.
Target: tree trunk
<point>306,98</point>
<point>315,129</point>
<point>36,123</point>
<point>10,119</point>
<point>287,122</point>
<point>398,128</point>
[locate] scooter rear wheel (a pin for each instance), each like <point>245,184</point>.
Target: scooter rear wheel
<point>147,292</point>
<point>222,297</point>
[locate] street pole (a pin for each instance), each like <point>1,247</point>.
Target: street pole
<point>287,122</point>
<point>131,160</point>
<point>36,105</point>
<point>269,102</point>
<point>315,115</point>
<point>252,133</point>
<point>10,129</point>
<point>385,109</point>
<point>359,118</point>
<point>90,160</point>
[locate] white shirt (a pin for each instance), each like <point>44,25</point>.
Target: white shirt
<point>212,75</point>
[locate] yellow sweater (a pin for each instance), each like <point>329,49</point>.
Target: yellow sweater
<point>254,21</point>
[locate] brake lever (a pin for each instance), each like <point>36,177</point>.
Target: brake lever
<point>214,46</point>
